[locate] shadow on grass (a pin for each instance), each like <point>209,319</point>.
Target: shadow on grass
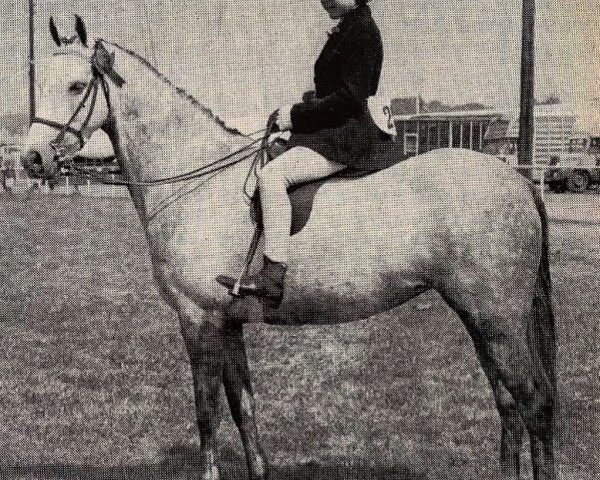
<point>182,462</point>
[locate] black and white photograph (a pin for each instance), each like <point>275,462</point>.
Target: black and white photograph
<point>299,240</point>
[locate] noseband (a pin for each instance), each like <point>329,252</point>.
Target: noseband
<point>98,67</point>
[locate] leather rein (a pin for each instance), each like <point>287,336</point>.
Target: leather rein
<point>102,63</point>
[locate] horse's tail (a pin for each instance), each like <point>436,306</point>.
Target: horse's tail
<point>541,331</point>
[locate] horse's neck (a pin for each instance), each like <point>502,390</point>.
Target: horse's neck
<point>160,134</point>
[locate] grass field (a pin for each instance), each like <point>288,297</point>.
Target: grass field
<point>94,380</point>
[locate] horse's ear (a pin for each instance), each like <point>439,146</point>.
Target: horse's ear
<point>54,32</point>
<point>80,29</point>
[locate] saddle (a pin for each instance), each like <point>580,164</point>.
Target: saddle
<point>302,195</point>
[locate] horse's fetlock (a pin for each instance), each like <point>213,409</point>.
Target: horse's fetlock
<point>211,473</point>
<point>247,403</point>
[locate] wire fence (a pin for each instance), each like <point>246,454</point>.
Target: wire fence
<point>15,179</point>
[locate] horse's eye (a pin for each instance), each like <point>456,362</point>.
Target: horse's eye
<point>77,87</point>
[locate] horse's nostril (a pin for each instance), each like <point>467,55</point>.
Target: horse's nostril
<point>36,158</point>
<point>31,158</point>
<point>33,162</point>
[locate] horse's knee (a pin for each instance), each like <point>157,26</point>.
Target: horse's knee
<point>202,331</point>
<point>203,342</point>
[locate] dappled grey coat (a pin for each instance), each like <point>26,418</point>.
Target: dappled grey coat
<point>336,121</point>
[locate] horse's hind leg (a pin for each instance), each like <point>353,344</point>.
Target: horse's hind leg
<point>510,419</point>
<point>499,330</point>
<point>238,388</point>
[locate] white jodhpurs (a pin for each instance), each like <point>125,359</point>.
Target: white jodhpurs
<point>297,165</point>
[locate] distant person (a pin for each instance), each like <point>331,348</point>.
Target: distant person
<point>7,168</point>
<point>330,131</point>
<point>9,174</point>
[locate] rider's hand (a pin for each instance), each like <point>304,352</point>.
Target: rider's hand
<point>284,119</point>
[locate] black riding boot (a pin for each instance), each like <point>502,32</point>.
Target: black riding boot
<point>267,284</point>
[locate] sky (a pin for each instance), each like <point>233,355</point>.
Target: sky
<point>248,57</point>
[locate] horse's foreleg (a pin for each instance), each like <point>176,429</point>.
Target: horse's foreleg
<point>238,388</point>
<point>203,335</point>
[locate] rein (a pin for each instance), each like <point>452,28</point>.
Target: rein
<point>200,172</point>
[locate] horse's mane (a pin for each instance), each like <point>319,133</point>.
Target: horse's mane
<point>180,91</point>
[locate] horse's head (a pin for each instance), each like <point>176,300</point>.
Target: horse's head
<point>72,101</point>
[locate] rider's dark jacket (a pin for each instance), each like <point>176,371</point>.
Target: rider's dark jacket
<point>336,121</point>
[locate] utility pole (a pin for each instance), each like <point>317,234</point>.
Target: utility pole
<point>526,115</point>
<point>264,42</point>
<point>31,64</point>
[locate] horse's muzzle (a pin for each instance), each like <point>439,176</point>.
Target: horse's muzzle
<point>32,162</point>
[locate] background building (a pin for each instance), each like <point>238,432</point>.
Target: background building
<point>490,130</point>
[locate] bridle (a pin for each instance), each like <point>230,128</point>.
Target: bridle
<point>100,61</point>
<point>102,64</point>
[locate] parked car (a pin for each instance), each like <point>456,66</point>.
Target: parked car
<point>576,170</point>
